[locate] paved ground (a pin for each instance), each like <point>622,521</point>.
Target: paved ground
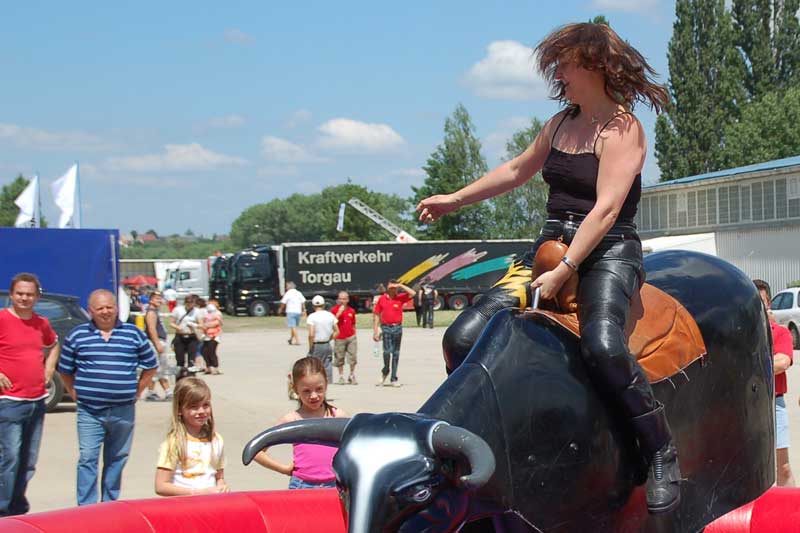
<point>250,396</point>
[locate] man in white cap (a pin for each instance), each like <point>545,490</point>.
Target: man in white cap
<point>322,328</point>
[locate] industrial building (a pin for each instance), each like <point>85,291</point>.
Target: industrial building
<point>748,215</point>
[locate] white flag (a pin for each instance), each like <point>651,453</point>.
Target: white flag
<point>64,189</point>
<point>340,222</point>
<point>28,203</point>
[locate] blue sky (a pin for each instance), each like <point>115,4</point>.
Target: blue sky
<point>183,114</point>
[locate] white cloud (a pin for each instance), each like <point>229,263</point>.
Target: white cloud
<point>282,151</point>
<point>176,157</point>
<point>227,121</point>
<point>506,73</point>
<point>37,139</point>
<point>237,36</point>
<point>299,117</point>
<point>415,172</point>
<point>347,134</point>
<point>625,5</point>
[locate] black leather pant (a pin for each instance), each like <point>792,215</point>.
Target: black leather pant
<point>609,277</point>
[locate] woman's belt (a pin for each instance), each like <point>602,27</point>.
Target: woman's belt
<point>567,227</point>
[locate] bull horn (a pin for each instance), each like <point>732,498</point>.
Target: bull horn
<point>451,441</point>
<point>327,431</point>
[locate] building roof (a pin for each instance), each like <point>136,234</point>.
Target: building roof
<point>729,173</point>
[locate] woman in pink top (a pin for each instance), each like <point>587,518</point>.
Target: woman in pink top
<point>311,463</point>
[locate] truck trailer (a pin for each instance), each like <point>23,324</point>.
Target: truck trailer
<point>460,270</point>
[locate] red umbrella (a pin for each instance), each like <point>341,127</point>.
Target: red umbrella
<point>136,281</point>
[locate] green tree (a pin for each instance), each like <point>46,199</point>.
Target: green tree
<point>10,192</point>
<point>768,35</point>
<point>176,248</point>
<point>706,87</point>
<point>600,19</point>
<point>769,129</point>
<point>455,163</point>
<point>312,218</point>
<point>521,212</point>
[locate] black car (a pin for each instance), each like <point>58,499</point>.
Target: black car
<point>64,313</point>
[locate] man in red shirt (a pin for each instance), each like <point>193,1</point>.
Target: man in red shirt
<point>388,322</point>
<point>781,361</point>
<point>24,371</point>
<point>346,342</point>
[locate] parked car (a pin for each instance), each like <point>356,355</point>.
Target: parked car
<point>64,313</point>
<point>786,310</point>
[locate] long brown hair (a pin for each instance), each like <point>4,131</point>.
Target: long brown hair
<point>305,367</point>
<point>188,391</point>
<point>628,76</point>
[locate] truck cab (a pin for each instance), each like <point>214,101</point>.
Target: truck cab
<point>218,281</point>
<point>189,276</point>
<point>253,282</point>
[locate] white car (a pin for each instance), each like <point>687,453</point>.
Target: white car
<point>786,310</point>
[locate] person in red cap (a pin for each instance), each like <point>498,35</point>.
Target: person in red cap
<point>388,323</point>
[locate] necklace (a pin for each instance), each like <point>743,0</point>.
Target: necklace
<point>594,120</point>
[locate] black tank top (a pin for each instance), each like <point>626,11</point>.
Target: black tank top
<point>573,181</point>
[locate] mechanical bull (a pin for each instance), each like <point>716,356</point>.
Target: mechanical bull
<point>518,438</point>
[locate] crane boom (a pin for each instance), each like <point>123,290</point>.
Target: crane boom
<point>381,220</point>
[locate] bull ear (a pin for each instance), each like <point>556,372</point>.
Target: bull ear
<point>450,441</point>
<point>327,431</point>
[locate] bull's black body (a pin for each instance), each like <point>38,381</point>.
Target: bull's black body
<point>564,461</point>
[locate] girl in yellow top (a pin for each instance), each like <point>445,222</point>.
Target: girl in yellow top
<point>191,459</point>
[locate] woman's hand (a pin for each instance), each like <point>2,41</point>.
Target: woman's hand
<point>434,207</point>
<point>551,282</point>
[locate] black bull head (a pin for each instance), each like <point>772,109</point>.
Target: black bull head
<point>560,460</point>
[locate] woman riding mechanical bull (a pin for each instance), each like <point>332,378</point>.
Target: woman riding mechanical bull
<point>591,155</point>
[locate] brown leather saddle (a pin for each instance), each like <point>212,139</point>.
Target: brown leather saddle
<point>662,335</point>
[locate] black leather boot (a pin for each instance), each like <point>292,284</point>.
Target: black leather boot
<point>663,481</point>
<point>664,475</point>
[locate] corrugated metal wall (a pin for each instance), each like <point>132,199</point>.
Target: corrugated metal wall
<point>769,254</point>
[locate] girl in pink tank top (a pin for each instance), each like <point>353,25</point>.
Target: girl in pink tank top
<point>311,463</point>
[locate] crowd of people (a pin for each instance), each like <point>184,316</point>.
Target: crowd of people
<point>106,365</point>
<point>339,327</point>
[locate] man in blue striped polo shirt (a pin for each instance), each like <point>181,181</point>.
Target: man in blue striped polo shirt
<point>98,364</point>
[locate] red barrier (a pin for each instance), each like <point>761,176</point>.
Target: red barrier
<point>257,512</point>
<point>777,511</point>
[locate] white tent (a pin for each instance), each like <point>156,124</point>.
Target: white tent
<point>696,242</point>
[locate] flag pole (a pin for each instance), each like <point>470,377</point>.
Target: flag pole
<point>79,218</point>
<point>38,217</point>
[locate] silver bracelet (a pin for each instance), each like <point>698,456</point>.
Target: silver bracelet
<point>567,261</point>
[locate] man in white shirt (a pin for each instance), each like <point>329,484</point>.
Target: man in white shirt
<point>322,328</point>
<point>293,303</point>
<point>183,321</point>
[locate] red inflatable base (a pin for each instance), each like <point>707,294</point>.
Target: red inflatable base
<point>777,511</point>
<point>240,512</point>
